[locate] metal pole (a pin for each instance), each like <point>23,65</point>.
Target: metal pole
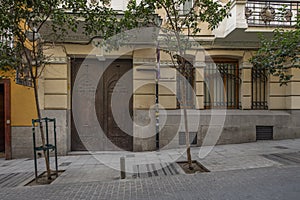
<point>157,116</point>
<point>34,151</point>
<point>47,138</point>
<point>122,167</point>
<point>157,96</point>
<point>55,146</point>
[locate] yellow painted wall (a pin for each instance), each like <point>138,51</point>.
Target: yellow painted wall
<point>23,108</point>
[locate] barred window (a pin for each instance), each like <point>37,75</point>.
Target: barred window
<point>222,83</point>
<point>259,88</point>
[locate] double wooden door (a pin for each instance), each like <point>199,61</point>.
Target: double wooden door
<point>108,87</point>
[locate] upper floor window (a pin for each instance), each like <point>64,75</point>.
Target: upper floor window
<point>187,6</point>
<point>119,5</point>
<point>222,84</point>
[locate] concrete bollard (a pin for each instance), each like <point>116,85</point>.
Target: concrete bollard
<point>122,166</point>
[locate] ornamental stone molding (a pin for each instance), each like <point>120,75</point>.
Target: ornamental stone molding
<point>57,60</point>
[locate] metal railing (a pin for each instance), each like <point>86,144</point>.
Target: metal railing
<point>259,89</point>
<point>272,13</point>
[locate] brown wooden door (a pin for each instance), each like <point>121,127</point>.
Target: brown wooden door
<point>103,108</point>
<point>104,94</point>
<point>2,125</point>
<point>76,143</point>
<point>5,129</point>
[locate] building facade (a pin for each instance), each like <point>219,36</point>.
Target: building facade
<point>229,101</point>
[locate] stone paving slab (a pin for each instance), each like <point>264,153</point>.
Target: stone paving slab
<point>87,173</point>
<point>155,169</point>
<point>104,166</point>
<point>15,179</point>
<point>285,158</point>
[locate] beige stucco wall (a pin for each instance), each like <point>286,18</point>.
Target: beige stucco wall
<point>285,96</point>
<point>54,85</point>
<point>54,80</point>
<point>279,97</point>
<point>144,76</point>
<point>293,97</point>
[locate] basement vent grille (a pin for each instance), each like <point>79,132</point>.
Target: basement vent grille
<point>264,132</point>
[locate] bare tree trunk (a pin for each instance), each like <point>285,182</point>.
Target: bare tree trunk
<point>187,136</point>
<point>182,62</point>
<point>36,96</point>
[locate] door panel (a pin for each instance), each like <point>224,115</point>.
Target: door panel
<point>76,143</point>
<point>104,94</point>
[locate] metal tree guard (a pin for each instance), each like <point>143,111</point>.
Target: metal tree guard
<point>47,146</point>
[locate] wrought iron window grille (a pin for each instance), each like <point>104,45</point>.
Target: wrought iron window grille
<point>188,73</point>
<point>222,85</point>
<point>259,81</point>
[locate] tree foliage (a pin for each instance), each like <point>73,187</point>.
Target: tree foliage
<point>22,21</point>
<point>184,23</point>
<point>280,53</point>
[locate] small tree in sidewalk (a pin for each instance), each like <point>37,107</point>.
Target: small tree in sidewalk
<point>183,21</point>
<point>22,45</point>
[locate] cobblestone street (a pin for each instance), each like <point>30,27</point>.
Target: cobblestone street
<point>263,183</point>
<point>260,170</point>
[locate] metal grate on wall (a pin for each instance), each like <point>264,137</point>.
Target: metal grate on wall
<point>193,138</point>
<point>264,132</point>
<point>259,89</point>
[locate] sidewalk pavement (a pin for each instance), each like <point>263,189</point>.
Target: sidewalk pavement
<point>268,183</point>
<point>105,166</point>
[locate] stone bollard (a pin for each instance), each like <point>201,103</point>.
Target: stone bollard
<point>122,166</point>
